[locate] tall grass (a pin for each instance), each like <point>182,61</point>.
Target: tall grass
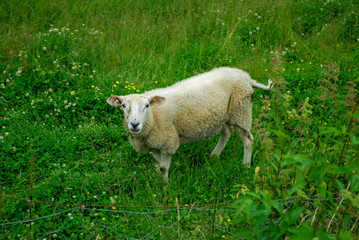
<point>60,142</point>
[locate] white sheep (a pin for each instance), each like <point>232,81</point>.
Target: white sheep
<point>191,110</point>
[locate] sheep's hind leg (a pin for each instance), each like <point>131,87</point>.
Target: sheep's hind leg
<point>164,165</point>
<point>226,134</point>
<point>247,140</point>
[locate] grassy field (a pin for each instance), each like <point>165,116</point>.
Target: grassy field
<point>60,142</point>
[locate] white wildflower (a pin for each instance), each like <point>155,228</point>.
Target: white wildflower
<point>18,73</point>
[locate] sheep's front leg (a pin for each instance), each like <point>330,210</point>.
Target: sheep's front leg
<point>157,157</point>
<point>226,134</point>
<point>164,165</point>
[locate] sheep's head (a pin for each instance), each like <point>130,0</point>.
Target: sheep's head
<point>136,108</point>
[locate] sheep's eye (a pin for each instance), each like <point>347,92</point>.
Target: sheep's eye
<point>123,105</point>
<point>147,105</point>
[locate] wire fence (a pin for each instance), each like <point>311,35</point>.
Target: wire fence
<point>77,221</point>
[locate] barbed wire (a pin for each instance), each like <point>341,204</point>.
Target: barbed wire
<point>110,206</point>
<point>165,218</point>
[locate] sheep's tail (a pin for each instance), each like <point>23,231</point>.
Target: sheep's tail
<point>259,85</point>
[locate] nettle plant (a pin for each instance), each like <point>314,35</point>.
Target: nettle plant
<point>308,184</point>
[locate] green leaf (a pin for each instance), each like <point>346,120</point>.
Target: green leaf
<point>279,133</point>
<point>354,140</point>
<point>324,235</point>
<point>291,217</point>
<point>354,182</point>
<point>345,235</point>
<point>340,184</point>
<point>245,233</point>
<point>295,188</point>
<point>302,232</point>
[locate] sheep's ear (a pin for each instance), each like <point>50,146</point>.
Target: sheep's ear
<point>114,101</point>
<point>157,100</point>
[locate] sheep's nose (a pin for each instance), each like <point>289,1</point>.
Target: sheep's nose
<point>134,125</point>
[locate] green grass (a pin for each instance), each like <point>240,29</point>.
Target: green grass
<point>59,138</point>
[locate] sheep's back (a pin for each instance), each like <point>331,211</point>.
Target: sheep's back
<point>201,105</point>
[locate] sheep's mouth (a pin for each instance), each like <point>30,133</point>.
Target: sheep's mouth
<point>135,130</point>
